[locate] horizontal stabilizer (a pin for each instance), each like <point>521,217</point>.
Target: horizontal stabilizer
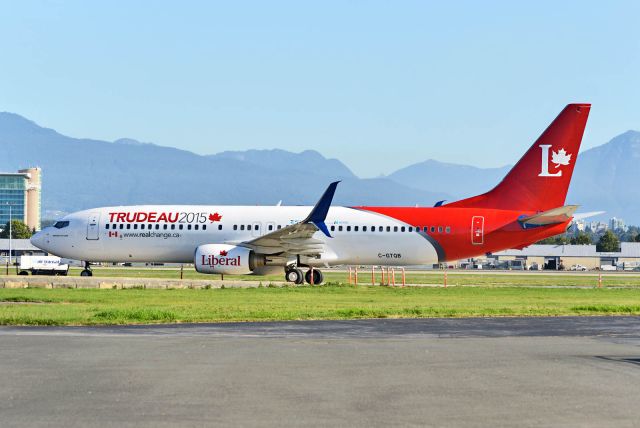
<point>552,216</point>
<point>582,216</point>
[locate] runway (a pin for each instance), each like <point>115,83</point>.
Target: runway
<point>426,372</point>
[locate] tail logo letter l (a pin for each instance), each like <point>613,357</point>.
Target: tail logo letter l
<point>544,166</point>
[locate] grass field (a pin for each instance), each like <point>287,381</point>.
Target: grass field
<point>486,278</point>
<point>91,306</point>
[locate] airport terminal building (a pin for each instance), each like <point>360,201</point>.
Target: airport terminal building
<point>566,256</point>
<point>19,247</point>
<point>20,197</point>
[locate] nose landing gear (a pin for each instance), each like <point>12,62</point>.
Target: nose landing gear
<point>87,270</point>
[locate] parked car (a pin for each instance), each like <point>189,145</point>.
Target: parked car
<point>608,267</point>
<point>579,267</point>
<point>535,266</point>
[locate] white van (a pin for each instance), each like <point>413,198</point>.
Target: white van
<point>42,265</point>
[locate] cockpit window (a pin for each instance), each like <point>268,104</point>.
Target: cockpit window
<point>60,224</point>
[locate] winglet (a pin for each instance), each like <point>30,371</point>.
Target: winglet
<point>319,212</point>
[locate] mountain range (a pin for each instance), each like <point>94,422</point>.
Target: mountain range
<point>84,173</point>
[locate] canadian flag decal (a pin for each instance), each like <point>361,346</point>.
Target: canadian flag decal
<point>223,253</point>
<point>113,234</point>
<point>214,217</point>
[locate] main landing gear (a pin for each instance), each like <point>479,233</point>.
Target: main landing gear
<point>87,270</point>
<point>294,274</point>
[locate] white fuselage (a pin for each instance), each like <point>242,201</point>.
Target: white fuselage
<point>171,234</point>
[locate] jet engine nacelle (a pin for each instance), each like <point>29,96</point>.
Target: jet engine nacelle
<point>226,259</point>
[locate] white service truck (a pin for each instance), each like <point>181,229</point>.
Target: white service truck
<point>42,265</point>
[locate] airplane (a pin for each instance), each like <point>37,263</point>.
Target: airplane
<point>525,207</point>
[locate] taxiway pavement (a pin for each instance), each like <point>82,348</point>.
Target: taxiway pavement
<point>576,371</point>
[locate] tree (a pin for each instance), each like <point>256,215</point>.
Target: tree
<point>561,239</point>
<point>608,242</point>
<point>637,239</point>
<point>581,239</point>
<point>19,230</point>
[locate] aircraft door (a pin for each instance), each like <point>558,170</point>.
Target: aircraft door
<point>477,230</point>
<point>93,226</point>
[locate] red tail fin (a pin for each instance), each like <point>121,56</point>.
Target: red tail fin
<point>540,179</point>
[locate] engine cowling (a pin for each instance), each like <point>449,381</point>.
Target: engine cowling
<point>226,259</point>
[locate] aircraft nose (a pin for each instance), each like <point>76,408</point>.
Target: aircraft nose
<point>37,239</point>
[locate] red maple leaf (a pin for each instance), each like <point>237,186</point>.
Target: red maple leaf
<point>223,253</point>
<point>214,217</point>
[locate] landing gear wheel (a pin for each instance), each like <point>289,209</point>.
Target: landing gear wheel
<point>317,277</point>
<point>294,275</point>
<point>87,270</point>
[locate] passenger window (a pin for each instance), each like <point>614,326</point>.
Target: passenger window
<point>355,228</point>
<point>257,227</point>
<point>339,228</point>
<point>173,226</point>
<point>402,229</point>
<point>219,227</point>
<point>279,227</point>
<point>433,229</point>
<point>188,227</point>
<point>410,229</point>
<point>348,228</point>
<point>128,226</point>
<point>135,226</point>
<point>388,228</point>
<point>270,227</point>
<point>242,227</point>
<point>196,227</point>
<point>380,229</point>
<point>121,226</point>
<point>439,229</point>
<point>425,229</point>
<point>248,227</point>
<point>106,226</point>
<point>235,227</point>
<point>333,228</point>
<point>395,228</point>
<point>364,228</point>
<point>448,229</point>
<point>142,226</point>
<point>180,226</point>
<point>164,227</point>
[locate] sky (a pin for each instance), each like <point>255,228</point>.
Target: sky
<point>378,85</point>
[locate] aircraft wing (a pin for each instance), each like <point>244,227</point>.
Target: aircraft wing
<point>297,239</point>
